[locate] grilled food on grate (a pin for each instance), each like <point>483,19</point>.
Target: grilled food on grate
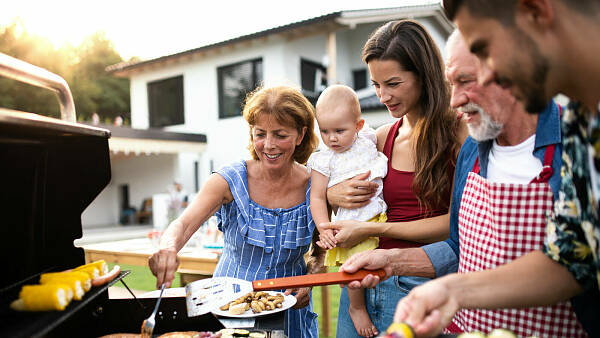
<point>57,289</point>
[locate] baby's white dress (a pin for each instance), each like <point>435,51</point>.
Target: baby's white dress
<point>360,158</point>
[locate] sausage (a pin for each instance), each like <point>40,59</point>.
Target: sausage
<point>107,277</point>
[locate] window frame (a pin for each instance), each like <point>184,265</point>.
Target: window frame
<point>220,84</point>
<point>152,115</point>
<point>365,71</point>
<point>311,95</point>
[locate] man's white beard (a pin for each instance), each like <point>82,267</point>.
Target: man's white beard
<point>486,129</point>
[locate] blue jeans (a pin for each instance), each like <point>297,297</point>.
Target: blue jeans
<point>381,304</point>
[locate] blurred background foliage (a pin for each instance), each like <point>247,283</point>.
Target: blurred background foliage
<point>83,67</point>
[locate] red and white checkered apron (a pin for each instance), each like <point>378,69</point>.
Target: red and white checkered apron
<point>498,223</point>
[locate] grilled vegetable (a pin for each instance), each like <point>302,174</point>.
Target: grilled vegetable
<point>237,309</point>
<point>91,271</point>
<point>100,265</point>
<point>475,334</point>
<point>257,335</point>
<point>45,297</point>
<point>501,333</point>
<point>79,281</point>
<point>241,333</point>
<point>400,330</point>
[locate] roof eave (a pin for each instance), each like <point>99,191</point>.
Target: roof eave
<point>124,69</point>
<point>349,18</point>
<point>354,18</point>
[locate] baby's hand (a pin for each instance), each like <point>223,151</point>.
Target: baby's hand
<point>327,239</point>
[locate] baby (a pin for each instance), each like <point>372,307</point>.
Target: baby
<point>352,150</point>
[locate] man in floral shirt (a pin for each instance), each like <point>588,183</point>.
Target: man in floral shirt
<point>573,231</point>
<point>536,49</point>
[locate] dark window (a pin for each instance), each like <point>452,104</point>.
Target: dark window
<point>359,77</point>
<point>235,81</point>
<point>165,102</point>
<point>313,79</point>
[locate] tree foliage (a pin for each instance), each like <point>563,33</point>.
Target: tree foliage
<point>83,67</point>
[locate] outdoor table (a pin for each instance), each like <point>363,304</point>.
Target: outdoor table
<point>194,263</point>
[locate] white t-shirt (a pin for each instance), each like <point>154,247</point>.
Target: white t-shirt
<point>361,157</point>
<point>513,164</point>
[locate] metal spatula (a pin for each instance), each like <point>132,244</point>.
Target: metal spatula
<point>206,295</point>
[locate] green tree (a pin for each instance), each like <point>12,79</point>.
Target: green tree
<point>16,42</point>
<point>94,90</point>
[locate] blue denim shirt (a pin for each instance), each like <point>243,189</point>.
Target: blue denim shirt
<point>444,255</point>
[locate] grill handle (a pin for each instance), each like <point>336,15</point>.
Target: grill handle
<point>34,75</point>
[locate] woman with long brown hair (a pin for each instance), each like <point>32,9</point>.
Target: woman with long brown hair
<point>407,72</point>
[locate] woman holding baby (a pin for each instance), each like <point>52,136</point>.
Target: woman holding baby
<point>421,146</point>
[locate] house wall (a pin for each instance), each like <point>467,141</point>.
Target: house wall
<point>146,175</point>
<point>227,138</point>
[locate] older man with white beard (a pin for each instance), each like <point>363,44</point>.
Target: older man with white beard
<point>507,176</point>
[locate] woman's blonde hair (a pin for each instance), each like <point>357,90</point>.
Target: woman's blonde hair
<point>289,108</point>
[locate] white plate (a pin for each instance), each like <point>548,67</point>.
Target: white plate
<point>288,302</point>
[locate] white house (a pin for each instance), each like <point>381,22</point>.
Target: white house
<point>200,91</point>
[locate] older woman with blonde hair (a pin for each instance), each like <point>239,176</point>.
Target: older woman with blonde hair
<point>262,204</point>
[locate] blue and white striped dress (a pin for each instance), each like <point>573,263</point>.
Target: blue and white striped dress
<point>263,243</point>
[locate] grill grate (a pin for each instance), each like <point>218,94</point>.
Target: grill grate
<point>37,324</point>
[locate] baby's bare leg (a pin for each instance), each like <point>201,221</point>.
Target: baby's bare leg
<point>358,312</point>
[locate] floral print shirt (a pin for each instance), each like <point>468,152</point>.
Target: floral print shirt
<point>573,232</point>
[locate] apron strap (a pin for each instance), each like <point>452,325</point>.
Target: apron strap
<point>547,171</point>
<point>476,165</point>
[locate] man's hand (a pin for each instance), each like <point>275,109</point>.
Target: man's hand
<point>352,193</point>
<point>428,308</point>
<point>369,260</point>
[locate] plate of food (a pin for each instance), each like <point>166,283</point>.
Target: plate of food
<point>254,304</point>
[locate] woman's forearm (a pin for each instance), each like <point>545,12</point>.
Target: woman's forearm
<point>426,230</point>
<point>173,236</point>
<point>210,198</point>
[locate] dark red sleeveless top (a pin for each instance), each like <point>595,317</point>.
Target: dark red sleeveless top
<point>402,204</point>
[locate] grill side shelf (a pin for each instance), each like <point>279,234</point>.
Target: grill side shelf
<point>39,324</point>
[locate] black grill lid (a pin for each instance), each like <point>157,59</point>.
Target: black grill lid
<point>50,173</point>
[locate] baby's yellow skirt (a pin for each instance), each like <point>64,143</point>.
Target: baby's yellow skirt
<point>337,255</point>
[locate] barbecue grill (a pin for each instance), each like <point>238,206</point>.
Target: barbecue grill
<point>51,170</point>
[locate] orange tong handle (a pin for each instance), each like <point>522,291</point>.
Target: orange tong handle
<point>314,280</point>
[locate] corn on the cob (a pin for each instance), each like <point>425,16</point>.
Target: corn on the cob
<point>91,271</point>
<point>79,281</point>
<point>45,297</point>
<point>100,265</point>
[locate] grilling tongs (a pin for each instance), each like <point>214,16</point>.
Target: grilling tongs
<point>206,295</point>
